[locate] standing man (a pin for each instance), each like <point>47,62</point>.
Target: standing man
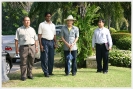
<point>27,39</point>
<point>47,40</point>
<point>69,35</point>
<point>103,41</point>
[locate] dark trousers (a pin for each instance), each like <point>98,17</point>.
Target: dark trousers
<point>47,56</point>
<point>102,53</point>
<point>74,63</point>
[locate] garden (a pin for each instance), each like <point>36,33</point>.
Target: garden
<point>118,21</point>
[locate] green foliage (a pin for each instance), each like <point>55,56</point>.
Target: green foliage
<point>12,14</point>
<point>117,36</point>
<point>124,43</point>
<point>120,58</point>
<point>123,31</point>
<point>86,32</point>
<point>112,30</point>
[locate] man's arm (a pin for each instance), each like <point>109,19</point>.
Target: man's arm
<point>93,42</point>
<point>74,42</point>
<point>109,40</point>
<point>67,44</point>
<point>55,41</point>
<point>16,46</point>
<point>40,42</point>
<point>76,38</point>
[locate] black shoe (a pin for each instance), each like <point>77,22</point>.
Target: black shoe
<point>51,74</point>
<point>66,74</point>
<point>23,78</point>
<point>73,74</point>
<point>30,77</point>
<point>105,72</point>
<point>99,72</point>
<point>47,75</point>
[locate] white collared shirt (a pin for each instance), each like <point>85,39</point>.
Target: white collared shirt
<point>25,35</point>
<point>101,35</point>
<point>47,30</point>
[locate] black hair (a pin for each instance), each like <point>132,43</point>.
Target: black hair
<point>101,20</point>
<point>25,17</point>
<point>46,13</point>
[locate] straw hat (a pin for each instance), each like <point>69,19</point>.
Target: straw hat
<point>70,17</point>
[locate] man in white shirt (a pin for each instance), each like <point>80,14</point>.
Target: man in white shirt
<point>47,40</point>
<point>103,42</point>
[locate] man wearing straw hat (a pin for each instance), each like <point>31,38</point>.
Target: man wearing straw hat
<point>69,35</point>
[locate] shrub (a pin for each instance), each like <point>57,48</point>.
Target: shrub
<point>112,30</point>
<point>117,36</point>
<point>123,31</point>
<point>124,43</point>
<point>121,58</point>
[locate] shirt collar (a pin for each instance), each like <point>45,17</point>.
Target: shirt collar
<point>101,28</point>
<point>72,27</point>
<point>47,22</point>
<point>25,27</point>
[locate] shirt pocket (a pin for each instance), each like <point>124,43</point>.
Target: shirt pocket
<point>103,35</point>
<point>22,37</point>
<point>72,34</point>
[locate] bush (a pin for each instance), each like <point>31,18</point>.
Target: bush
<point>112,30</point>
<point>120,58</point>
<point>123,31</point>
<point>117,36</point>
<point>124,43</point>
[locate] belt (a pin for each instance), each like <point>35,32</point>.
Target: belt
<point>27,45</point>
<point>46,39</point>
<point>100,43</point>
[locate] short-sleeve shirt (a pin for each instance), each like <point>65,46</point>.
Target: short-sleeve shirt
<point>70,36</point>
<point>26,36</point>
<point>47,30</point>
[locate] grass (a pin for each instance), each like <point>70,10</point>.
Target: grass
<point>86,77</point>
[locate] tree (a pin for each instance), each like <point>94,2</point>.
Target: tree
<point>127,13</point>
<point>112,12</point>
<point>12,14</point>
<point>86,31</point>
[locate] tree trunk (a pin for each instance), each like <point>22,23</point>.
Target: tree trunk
<point>109,22</point>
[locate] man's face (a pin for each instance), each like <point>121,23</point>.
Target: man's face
<point>100,24</point>
<point>69,22</point>
<point>48,17</point>
<point>26,22</point>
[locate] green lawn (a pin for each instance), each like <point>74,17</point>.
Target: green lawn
<point>86,77</point>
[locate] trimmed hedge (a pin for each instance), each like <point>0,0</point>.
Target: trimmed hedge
<point>121,58</point>
<point>112,30</point>
<point>123,31</point>
<point>124,43</point>
<point>117,36</point>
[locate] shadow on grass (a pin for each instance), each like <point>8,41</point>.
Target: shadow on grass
<point>57,64</point>
<point>14,76</point>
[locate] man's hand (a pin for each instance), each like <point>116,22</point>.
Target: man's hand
<point>68,45</point>
<point>17,51</point>
<point>41,48</point>
<point>55,46</point>
<point>71,45</point>
<point>93,48</point>
<point>110,48</point>
<point>36,49</point>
